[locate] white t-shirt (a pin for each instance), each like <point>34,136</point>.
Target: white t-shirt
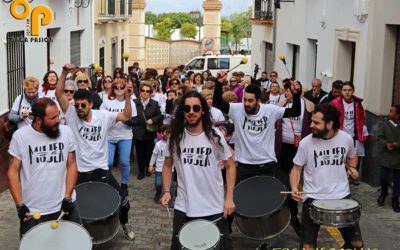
<point>275,99</point>
<point>200,183</point>
<point>348,124</point>
<point>162,101</point>
<point>119,131</point>
<point>324,165</point>
<point>217,115</point>
<point>287,130</point>
<point>159,150</point>
<point>44,167</point>
<point>255,134</point>
<point>91,138</point>
<point>25,107</point>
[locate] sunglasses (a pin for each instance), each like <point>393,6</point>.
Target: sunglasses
<point>145,91</point>
<point>119,87</point>
<point>66,91</point>
<point>82,81</point>
<point>174,83</point>
<point>82,105</point>
<point>232,81</point>
<point>273,75</point>
<point>187,108</point>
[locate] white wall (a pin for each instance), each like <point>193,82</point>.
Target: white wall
<point>36,53</point>
<point>260,34</point>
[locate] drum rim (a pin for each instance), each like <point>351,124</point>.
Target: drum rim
<point>358,207</point>
<point>49,222</point>
<point>273,211</point>
<point>116,210</point>
<point>219,232</point>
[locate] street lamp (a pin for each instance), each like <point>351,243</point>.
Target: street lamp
<point>196,16</point>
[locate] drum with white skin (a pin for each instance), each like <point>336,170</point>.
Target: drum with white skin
<point>335,212</point>
<point>199,235</point>
<point>67,236</point>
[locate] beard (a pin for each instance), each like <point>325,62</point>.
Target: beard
<point>82,114</point>
<point>51,132</point>
<point>319,133</point>
<point>251,110</point>
<point>193,124</point>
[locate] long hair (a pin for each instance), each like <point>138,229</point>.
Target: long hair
<point>178,124</point>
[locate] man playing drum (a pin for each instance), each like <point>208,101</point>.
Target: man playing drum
<point>195,148</point>
<point>325,154</point>
<point>90,129</point>
<point>43,171</point>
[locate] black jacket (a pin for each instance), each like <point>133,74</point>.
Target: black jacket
<point>308,95</point>
<point>139,122</point>
<point>96,100</point>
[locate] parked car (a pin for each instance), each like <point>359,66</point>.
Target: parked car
<point>215,63</point>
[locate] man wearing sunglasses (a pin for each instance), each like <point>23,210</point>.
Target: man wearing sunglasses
<point>196,149</point>
<point>90,129</point>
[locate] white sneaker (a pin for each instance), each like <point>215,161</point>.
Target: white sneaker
<point>128,232</point>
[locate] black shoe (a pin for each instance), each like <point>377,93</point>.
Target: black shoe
<point>395,204</point>
<point>140,176</point>
<point>381,199</point>
<point>148,173</point>
<point>296,226</point>
<point>124,189</point>
<point>156,198</point>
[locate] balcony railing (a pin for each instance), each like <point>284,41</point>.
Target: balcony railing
<point>114,10</point>
<point>263,9</point>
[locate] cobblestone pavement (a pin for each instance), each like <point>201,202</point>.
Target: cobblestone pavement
<point>153,227</point>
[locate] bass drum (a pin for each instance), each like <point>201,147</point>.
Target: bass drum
<point>261,211</point>
<point>98,205</point>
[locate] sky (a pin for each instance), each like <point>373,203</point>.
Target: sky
<point>228,6</point>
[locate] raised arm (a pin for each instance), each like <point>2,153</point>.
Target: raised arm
<point>61,98</point>
<point>295,110</point>
<point>218,102</point>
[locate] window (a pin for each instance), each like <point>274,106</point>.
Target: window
<point>196,64</point>
<point>76,48</point>
<point>218,63</point>
<point>122,7</point>
<point>111,7</point>
<point>15,64</point>
<point>101,57</point>
<point>122,53</point>
<point>130,7</point>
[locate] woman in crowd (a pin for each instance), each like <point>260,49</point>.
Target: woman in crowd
<point>69,90</point>
<point>198,82</point>
<point>120,134</point>
<point>21,110</point>
<point>145,126</point>
<point>352,115</point>
<point>174,83</point>
<point>274,93</point>
<point>83,82</point>
<point>158,95</point>
<point>206,75</point>
<point>118,73</point>
<point>105,86</point>
<point>216,114</point>
<point>49,85</point>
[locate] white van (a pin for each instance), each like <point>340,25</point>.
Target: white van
<point>215,63</point>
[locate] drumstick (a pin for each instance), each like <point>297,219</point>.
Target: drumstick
<point>54,224</point>
<point>216,220</point>
<point>291,192</point>
<point>169,214</point>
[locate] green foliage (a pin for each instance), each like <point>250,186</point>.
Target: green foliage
<point>238,26</point>
<point>177,18</point>
<point>188,30</point>
<point>164,29</point>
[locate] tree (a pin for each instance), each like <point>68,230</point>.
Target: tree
<point>226,27</point>
<point>240,26</point>
<point>150,18</point>
<point>188,30</point>
<point>177,18</point>
<point>164,29</point>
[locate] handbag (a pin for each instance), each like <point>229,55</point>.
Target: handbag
<point>150,128</point>
<point>10,127</point>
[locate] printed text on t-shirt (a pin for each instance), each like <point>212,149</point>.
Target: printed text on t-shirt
<point>46,153</point>
<point>255,125</point>
<point>197,156</point>
<point>90,133</point>
<point>329,157</point>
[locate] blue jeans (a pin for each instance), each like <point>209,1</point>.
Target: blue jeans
<point>124,149</point>
<point>158,180</point>
<point>385,181</point>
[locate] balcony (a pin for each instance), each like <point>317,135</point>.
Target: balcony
<point>263,12</point>
<point>114,11</point>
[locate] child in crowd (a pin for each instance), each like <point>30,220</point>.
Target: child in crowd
<point>157,160</point>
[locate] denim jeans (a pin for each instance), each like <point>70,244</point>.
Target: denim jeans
<point>124,149</point>
<point>158,180</point>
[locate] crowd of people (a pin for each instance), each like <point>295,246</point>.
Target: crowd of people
<point>205,132</point>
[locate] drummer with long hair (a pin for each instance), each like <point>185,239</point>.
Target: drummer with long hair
<point>325,154</point>
<point>195,148</point>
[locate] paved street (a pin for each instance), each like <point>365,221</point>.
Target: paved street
<point>380,226</point>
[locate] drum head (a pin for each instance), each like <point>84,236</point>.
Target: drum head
<point>259,196</point>
<point>96,200</point>
<point>68,236</point>
<point>341,204</point>
<point>199,235</point>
